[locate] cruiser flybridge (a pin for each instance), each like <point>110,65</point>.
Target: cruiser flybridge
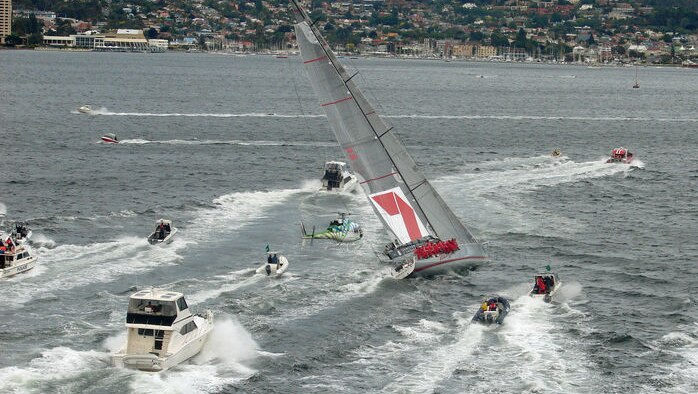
<point>161,331</point>
<point>337,177</point>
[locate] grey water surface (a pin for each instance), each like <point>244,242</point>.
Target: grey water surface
<point>231,149</point>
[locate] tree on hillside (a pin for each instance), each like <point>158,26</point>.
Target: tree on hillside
<point>12,40</point>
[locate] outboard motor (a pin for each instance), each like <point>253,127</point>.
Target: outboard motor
<point>268,269</point>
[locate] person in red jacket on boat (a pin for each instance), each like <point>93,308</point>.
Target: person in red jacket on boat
<point>540,283</point>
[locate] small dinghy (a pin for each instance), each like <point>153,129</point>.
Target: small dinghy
<point>493,310</point>
<point>161,331</point>
<point>545,286</point>
<point>275,266</point>
<point>163,232</point>
<point>110,138</point>
<point>85,109</point>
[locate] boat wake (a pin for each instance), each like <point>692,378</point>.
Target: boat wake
<point>138,141</point>
<point>681,376</point>
<point>500,186</point>
<point>228,283</point>
<point>542,356</point>
<point>68,266</point>
<point>221,363</point>
<point>105,112</point>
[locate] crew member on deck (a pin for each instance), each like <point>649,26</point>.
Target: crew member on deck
<point>541,285</point>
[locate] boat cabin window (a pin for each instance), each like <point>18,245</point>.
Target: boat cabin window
<point>146,332</point>
<point>182,304</point>
<point>187,328</point>
<point>154,307</point>
<point>154,312</point>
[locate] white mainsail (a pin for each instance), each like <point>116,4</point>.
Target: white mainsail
<point>407,204</point>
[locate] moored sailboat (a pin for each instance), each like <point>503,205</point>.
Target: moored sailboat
<point>408,206</point>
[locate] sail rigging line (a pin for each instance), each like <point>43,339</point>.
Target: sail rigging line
<point>380,177</point>
<point>385,132</point>
<point>298,99</point>
<point>325,48</point>
<point>338,101</point>
<point>357,73</point>
<point>314,60</point>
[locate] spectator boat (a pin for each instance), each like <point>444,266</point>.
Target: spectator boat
<point>275,266</point>
<point>110,138</point>
<point>20,233</point>
<point>15,258</point>
<point>545,286</point>
<point>620,155</point>
<point>163,232</point>
<point>493,310</point>
<point>338,178</point>
<point>161,331</point>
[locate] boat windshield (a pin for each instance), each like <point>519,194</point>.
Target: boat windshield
<point>152,307</point>
<point>154,312</point>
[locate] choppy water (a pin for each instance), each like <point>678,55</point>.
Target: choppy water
<point>231,148</point>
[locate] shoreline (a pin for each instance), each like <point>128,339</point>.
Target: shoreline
<point>361,56</point>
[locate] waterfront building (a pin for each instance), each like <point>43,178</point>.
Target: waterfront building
<point>5,19</point>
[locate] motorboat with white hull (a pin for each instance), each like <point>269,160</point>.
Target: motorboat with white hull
<point>161,331</point>
<point>545,286</point>
<point>85,109</point>
<point>341,229</point>
<point>338,178</point>
<point>163,232</point>
<point>492,311</point>
<point>15,259</point>
<point>20,233</point>
<point>275,266</point>
<point>410,209</point>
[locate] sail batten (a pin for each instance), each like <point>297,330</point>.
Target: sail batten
<point>406,203</point>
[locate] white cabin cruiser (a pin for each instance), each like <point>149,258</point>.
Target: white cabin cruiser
<point>15,258</point>
<point>85,109</point>
<point>545,286</point>
<point>161,331</point>
<point>275,266</point>
<point>338,178</point>
<point>163,232</point>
